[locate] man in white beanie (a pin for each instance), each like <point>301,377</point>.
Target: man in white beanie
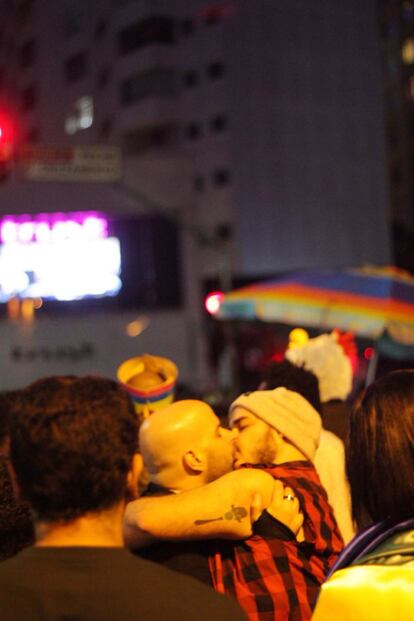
<point>274,426</point>
<point>278,433</point>
<point>329,458</point>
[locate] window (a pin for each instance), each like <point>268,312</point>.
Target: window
<point>223,232</point>
<point>28,53</point>
<point>10,47</point>
<point>408,10</point>
<point>73,20</point>
<point>106,128</point>
<point>33,135</point>
<point>407,52</point>
<point>29,98</point>
<point>159,82</point>
<point>199,183</point>
<point>81,115</point>
<point>153,30</point>
<point>215,13</point>
<point>221,177</point>
<point>118,3</point>
<point>190,78</point>
<point>102,78</point>
<point>193,131</point>
<point>153,136</point>
<point>396,175</point>
<point>187,27</point>
<point>24,10</point>
<point>212,18</point>
<point>218,123</point>
<point>101,28</point>
<point>215,70</point>
<point>75,67</point>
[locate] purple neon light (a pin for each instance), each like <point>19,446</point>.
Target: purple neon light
<point>53,227</point>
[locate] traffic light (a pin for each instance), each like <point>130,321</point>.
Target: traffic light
<point>6,147</point>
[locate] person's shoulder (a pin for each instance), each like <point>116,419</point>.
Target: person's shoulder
<point>245,481</point>
<point>254,477</point>
<point>331,441</point>
<point>14,569</point>
<point>367,592</point>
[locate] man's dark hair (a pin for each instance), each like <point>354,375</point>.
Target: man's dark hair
<point>380,451</point>
<point>7,400</point>
<point>16,525</point>
<point>72,445</point>
<point>294,378</point>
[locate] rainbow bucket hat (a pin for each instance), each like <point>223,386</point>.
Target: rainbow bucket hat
<point>153,397</point>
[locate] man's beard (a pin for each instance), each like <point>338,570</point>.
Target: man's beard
<point>265,451</point>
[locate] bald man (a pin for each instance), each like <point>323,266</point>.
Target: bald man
<point>185,448</point>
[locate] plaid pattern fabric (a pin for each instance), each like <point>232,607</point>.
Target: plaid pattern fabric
<point>275,579</point>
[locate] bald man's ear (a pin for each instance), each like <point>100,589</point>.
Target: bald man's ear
<point>133,476</point>
<point>194,462</point>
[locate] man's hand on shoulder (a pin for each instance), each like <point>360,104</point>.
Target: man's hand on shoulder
<point>285,508</point>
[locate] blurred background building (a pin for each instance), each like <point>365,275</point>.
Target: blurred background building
<point>396,23</point>
<point>259,129</point>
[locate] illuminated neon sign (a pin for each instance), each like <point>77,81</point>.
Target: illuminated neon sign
<point>58,256</point>
<point>53,228</point>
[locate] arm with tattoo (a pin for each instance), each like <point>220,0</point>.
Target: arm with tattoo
<point>225,508</point>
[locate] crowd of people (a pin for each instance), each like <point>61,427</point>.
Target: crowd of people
<point>116,507</point>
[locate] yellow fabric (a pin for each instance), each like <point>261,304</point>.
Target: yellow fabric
<point>368,593</point>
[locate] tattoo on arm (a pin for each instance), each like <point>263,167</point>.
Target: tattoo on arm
<point>235,513</point>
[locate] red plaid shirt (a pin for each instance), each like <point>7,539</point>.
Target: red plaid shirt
<point>275,579</point>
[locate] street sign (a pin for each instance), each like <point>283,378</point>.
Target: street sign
<point>89,163</point>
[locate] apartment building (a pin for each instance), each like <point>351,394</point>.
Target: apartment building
<point>258,125</point>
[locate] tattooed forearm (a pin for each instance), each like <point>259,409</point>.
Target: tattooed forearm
<point>235,513</point>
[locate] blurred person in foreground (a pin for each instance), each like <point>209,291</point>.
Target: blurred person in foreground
<point>73,445</point>
<point>374,577</point>
<point>329,458</point>
<point>271,574</point>
<point>16,525</point>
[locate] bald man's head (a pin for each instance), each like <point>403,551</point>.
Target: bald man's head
<point>184,445</point>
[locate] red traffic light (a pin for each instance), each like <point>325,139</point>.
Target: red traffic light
<point>212,302</point>
<point>6,129</point>
<point>7,145</point>
<point>7,136</point>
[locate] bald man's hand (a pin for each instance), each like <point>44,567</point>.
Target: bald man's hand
<point>225,508</point>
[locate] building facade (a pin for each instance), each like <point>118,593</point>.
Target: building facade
<point>257,124</point>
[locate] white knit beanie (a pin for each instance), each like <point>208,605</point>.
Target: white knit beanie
<point>287,412</point>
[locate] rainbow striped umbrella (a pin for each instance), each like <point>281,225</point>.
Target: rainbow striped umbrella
<point>364,300</point>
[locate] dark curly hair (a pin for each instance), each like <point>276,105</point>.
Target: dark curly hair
<point>292,377</point>
<point>16,526</point>
<point>7,401</point>
<point>71,445</point>
<point>380,450</point>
